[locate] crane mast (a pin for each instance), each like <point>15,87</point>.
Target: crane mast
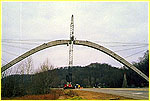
<point>69,76</point>
<point>71,42</point>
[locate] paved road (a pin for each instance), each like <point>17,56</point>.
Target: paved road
<point>135,93</point>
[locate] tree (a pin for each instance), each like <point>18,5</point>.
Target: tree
<point>143,65</point>
<point>29,65</point>
<point>45,77</point>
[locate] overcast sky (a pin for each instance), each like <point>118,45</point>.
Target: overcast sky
<point>100,22</point>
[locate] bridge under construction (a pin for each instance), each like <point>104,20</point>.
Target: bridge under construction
<point>72,42</point>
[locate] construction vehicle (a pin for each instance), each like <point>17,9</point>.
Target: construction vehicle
<point>68,85</point>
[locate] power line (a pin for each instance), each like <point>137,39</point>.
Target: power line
<point>40,40</point>
<point>134,54</point>
<point>30,40</point>
<point>128,49</point>
<point>10,53</point>
<point>38,44</point>
<point>5,60</point>
<point>134,43</point>
<point>16,46</point>
<point>125,45</point>
<point>22,43</point>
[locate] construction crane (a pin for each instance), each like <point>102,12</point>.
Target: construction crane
<point>69,76</point>
<point>71,42</point>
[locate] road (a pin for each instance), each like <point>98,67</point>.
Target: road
<point>135,93</point>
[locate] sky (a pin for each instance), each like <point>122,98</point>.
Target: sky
<point>119,26</point>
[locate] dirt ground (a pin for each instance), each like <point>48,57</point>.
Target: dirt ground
<point>60,94</point>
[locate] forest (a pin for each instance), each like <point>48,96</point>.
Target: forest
<point>100,75</point>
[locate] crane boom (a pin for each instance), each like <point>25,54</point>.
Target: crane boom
<point>71,42</point>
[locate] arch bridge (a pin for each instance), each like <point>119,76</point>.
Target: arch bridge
<point>76,42</point>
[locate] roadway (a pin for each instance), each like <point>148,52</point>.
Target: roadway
<point>135,93</point>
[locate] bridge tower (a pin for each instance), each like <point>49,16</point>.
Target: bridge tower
<point>71,42</point>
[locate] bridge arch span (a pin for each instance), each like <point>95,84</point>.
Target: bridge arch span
<point>76,42</point>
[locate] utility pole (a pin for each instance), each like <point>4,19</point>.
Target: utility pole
<point>71,42</point>
<point>124,84</point>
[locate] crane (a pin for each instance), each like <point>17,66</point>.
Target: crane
<point>69,76</point>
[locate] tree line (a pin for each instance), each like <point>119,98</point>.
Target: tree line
<point>93,75</point>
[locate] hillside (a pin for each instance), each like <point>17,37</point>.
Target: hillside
<point>93,75</point>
